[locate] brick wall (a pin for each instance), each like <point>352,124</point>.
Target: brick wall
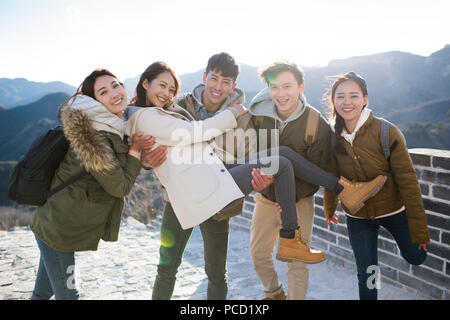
<point>432,278</point>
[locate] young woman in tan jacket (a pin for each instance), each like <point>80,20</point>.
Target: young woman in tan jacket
<point>358,156</point>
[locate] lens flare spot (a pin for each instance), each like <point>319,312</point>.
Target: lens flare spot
<point>167,238</point>
<point>270,78</point>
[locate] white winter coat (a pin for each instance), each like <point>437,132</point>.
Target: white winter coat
<point>197,183</point>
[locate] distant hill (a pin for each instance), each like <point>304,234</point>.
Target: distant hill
<point>19,91</point>
<point>436,111</point>
<point>19,126</point>
<point>427,135</point>
<point>411,91</point>
<point>426,125</point>
<point>407,89</point>
<point>396,80</point>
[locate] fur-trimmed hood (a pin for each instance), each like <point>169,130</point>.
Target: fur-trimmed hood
<point>82,118</point>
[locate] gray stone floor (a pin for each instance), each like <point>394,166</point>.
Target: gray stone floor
<point>126,269</point>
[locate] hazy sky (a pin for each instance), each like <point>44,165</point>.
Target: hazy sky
<point>49,40</point>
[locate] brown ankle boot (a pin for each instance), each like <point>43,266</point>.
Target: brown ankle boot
<point>297,250</point>
<point>356,193</point>
<point>280,296</point>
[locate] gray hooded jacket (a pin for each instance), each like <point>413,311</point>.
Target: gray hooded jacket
<point>262,105</point>
<point>232,145</point>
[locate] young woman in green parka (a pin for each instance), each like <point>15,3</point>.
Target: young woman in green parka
<point>77,217</point>
<point>358,155</point>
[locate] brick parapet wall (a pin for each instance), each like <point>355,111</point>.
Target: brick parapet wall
<point>432,278</point>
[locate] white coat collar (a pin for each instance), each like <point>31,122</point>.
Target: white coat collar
<point>350,137</point>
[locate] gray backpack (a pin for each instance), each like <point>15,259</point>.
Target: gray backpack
<point>384,138</point>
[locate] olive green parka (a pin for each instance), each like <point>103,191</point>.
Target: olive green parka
<point>77,217</point>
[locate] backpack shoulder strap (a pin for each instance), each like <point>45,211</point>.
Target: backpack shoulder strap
<point>312,125</point>
<point>384,137</point>
<point>66,183</point>
<point>257,121</point>
<point>333,140</point>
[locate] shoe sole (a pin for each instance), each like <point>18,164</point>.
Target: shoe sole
<point>284,259</point>
<point>375,190</point>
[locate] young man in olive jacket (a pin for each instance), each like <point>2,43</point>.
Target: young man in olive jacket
<point>282,107</point>
<point>217,92</point>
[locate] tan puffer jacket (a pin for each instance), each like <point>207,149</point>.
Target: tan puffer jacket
<point>364,161</point>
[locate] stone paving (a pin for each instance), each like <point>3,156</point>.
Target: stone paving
<point>126,269</point>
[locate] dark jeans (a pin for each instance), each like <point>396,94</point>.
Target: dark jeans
<point>363,234</point>
<point>55,275</point>
<point>173,243</point>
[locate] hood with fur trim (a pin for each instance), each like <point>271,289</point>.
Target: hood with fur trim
<point>82,118</point>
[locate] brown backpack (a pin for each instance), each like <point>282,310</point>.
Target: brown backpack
<point>312,126</point>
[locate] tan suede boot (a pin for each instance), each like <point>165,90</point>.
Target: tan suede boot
<point>296,249</point>
<point>280,296</point>
<point>356,193</point>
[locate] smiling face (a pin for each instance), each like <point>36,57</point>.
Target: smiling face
<point>349,101</point>
<point>285,92</point>
<point>217,89</point>
<point>161,90</point>
<point>109,92</point>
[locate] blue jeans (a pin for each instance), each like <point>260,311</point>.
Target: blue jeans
<point>363,234</point>
<point>55,275</point>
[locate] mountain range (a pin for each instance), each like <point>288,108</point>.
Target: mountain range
<point>19,126</point>
<point>20,91</point>
<point>396,80</point>
<point>409,90</point>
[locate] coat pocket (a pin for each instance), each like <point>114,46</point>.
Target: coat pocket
<point>199,182</point>
<point>95,193</point>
